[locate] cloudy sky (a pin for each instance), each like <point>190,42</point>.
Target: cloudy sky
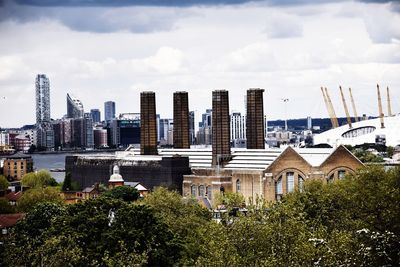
<point>113,50</point>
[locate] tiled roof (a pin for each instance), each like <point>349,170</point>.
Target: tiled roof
<point>9,220</point>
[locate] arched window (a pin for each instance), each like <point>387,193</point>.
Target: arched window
<point>341,174</point>
<point>209,192</point>
<point>193,190</point>
<point>331,178</point>
<point>290,181</point>
<point>201,191</point>
<point>238,188</point>
<point>301,183</point>
<point>278,189</point>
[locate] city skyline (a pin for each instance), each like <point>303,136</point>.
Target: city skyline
<point>198,48</point>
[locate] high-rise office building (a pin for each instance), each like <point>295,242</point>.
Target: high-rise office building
<point>255,119</point>
<point>148,124</point>
<point>221,145</point>
<point>192,134</point>
<point>125,130</point>
<point>181,120</point>
<point>109,110</point>
<point>95,114</point>
<point>238,126</point>
<point>74,108</point>
<point>42,99</point>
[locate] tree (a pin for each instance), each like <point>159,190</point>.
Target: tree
<point>35,196</point>
<point>3,183</point>
<point>30,233</point>
<point>390,151</point>
<point>125,193</point>
<point>6,207</point>
<point>67,184</point>
<point>38,179</point>
<point>230,200</point>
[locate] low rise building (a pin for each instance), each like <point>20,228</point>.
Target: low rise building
<point>17,165</point>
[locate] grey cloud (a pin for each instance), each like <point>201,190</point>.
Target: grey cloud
<point>286,27</point>
<point>98,19</point>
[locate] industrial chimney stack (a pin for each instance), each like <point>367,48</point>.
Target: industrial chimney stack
<point>181,120</point>
<point>255,119</point>
<point>148,125</point>
<point>221,147</point>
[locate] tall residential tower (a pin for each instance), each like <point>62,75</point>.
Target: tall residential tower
<point>109,110</point>
<point>42,99</point>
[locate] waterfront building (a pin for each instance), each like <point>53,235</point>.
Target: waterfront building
<point>192,133</point>
<point>109,110</point>
<point>74,108</point>
<point>42,99</point>
<point>95,115</point>
<point>100,138</point>
<point>166,131</point>
<point>125,130</point>
<point>17,165</point>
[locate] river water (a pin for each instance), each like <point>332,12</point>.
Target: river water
<point>53,161</point>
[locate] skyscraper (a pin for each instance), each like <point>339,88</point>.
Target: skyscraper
<point>109,110</point>
<point>255,119</point>
<point>181,120</point>
<point>95,115</point>
<point>221,145</point>
<point>42,99</point>
<point>74,107</point>
<point>192,133</point>
<point>148,124</point>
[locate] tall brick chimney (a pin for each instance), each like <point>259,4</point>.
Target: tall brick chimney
<point>148,125</point>
<point>221,147</point>
<point>181,120</point>
<point>255,119</point>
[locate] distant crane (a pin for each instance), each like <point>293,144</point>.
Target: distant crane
<point>346,110</point>
<point>381,115</point>
<point>354,106</point>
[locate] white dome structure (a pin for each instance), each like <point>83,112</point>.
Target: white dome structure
<point>368,131</point>
<point>116,177</point>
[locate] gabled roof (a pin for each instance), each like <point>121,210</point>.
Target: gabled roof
<point>287,151</point>
<point>9,220</point>
<point>337,150</point>
<point>13,196</point>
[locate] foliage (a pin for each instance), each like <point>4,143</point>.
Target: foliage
<point>125,193</point>
<point>390,151</point>
<point>229,200</point>
<point>354,221</point>
<point>38,179</point>
<point>3,183</point>
<point>6,207</point>
<point>367,157</point>
<point>34,196</point>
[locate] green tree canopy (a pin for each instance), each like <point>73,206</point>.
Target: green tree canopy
<point>38,179</point>
<point>125,193</point>
<point>6,207</point>
<point>34,196</point>
<point>3,183</point>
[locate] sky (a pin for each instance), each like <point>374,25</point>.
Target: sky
<point>112,50</point>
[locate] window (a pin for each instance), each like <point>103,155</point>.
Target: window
<point>278,188</point>
<point>301,183</point>
<point>193,189</point>
<point>341,174</point>
<point>290,181</point>
<point>330,178</point>
<point>238,186</point>
<point>209,192</point>
<point>201,190</point>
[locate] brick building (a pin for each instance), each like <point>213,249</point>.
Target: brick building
<point>17,165</point>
